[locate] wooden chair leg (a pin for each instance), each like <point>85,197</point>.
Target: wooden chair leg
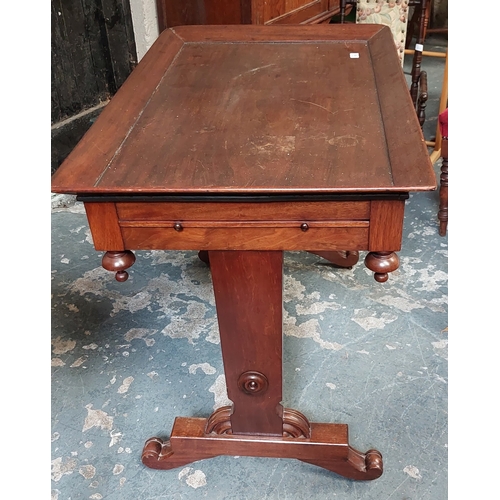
<point>423,95</point>
<point>345,9</point>
<point>417,55</point>
<point>443,189</point>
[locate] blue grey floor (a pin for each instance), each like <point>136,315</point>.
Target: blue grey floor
<point>127,358</point>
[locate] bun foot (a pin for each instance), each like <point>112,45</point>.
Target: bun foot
<point>382,263</point>
<point>118,262</point>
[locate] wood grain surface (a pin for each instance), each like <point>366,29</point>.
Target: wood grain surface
<point>253,109</point>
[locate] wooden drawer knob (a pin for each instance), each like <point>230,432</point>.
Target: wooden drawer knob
<point>178,226</point>
<point>304,226</point>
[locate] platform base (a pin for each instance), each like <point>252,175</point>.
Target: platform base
<point>327,447</point>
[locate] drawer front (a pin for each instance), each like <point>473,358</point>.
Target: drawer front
<point>279,225</point>
<point>234,211</point>
<point>247,237</point>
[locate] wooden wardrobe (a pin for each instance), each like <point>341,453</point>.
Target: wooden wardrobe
<point>183,12</point>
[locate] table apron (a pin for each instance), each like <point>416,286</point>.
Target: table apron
<point>272,237</point>
<point>373,225</point>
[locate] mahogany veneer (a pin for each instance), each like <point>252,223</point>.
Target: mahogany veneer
<point>242,142</point>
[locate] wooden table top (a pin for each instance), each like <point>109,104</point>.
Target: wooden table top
<point>257,110</point>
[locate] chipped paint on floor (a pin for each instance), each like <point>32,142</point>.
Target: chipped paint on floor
<point>193,478</point>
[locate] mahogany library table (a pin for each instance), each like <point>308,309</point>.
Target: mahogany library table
<point>242,142</point>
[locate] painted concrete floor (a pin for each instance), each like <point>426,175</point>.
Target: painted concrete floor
<point>127,358</point>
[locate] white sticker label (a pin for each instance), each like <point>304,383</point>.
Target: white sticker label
<point>354,55</point>
<point>419,47</point>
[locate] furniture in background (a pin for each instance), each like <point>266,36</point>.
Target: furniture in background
<point>435,18</point>
<point>420,7</point>
<point>188,12</point>
<point>419,21</point>
<point>422,96</point>
<point>420,18</point>
<point>436,144</point>
<point>203,148</point>
<point>443,179</point>
<point>394,14</point>
<point>417,25</point>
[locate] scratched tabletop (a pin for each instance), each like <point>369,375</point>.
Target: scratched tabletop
<point>257,109</point>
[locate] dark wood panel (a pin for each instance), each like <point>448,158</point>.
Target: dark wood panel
<point>120,38</point>
<point>75,84</point>
<point>187,12</point>
<point>288,11</point>
<point>114,121</point>
<point>93,52</point>
<point>65,135</point>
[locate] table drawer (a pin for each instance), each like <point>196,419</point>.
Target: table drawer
<point>251,236</point>
<point>244,211</point>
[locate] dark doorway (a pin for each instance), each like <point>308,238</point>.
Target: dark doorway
<point>93,52</point>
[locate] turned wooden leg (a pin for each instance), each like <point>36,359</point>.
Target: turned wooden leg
<point>415,75</point>
<point>118,262</point>
<point>417,54</point>
<point>382,263</point>
<point>248,289</point>
<point>423,95</point>
<point>443,189</point>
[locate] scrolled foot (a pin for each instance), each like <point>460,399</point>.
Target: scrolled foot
<point>118,262</point>
<point>369,465</point>
<point>152,450</point>
<point>382,263</point>
<point>358,466</point>
<point>159,454</point>
<point>374,463</point>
